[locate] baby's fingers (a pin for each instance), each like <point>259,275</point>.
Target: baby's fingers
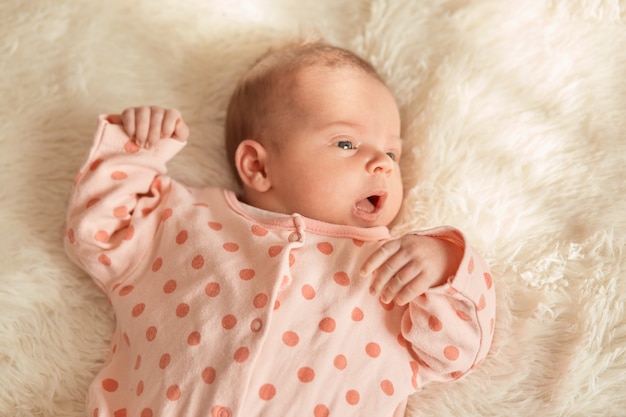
<point>128,121</point>
<point>380,256</point>
<point>174,126</point>
<point>413,289</point>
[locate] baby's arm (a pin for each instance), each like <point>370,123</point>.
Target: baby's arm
<point>451,300</point>
<point>117,201</point>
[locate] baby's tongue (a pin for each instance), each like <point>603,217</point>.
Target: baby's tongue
<point>365,205</point>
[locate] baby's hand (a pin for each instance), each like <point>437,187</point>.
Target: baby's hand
<point>147,125</point>
<point>405,268</point>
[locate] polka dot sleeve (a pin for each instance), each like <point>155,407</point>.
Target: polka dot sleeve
<point>451,326</point>
<point>115,203</point>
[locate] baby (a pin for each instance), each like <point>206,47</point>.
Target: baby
<point>292,298</point>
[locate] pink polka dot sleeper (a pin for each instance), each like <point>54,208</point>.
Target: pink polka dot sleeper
<point>223,309</point>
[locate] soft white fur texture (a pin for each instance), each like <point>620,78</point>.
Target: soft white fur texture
<point>515,125</point>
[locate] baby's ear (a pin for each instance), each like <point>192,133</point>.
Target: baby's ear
<point>250,159</point>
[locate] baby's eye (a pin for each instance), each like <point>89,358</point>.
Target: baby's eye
<point>392,156</point>
<point>344,144</point>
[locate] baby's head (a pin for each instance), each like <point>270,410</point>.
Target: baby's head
<point>313,129</point>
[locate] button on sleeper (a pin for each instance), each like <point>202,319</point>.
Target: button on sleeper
<point>295,237</point>
<point>219,411</point>
<point>256,325</point>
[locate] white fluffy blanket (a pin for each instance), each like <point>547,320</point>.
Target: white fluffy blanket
<point>515,121</point>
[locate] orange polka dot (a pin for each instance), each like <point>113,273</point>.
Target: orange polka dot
<point>292,258</point>
<point>267,392</point>
<point>276,305</point>
<point>434,324</point>
<point>126,338</point>
<point>118,175</point>
<point>215,226</point>
<point>182,310</point>
<point>167,213</point>
<point>342,279</point>
<point>120,413</point>
<point>325,247</point>
<point>290,338</point>
<point>260,300</point>
<point>372,349</point>
<point>275,250</point>
<point>165,360</point>
<point>92,202</point>
<point>470,265</point>
<point>208,375</point>
<point>126,289</point>
<point>146,211</point>
<point>181,237</point>
<point>357,314</point>
<point>70,236</point>
<point>402,341</point>
<point>451,353</point>
<point>120,212</point>
<point>173,393</point>
<point>138,309</point>
<point>151,333</point>
<point>353,397</point>
<point>463,315</point>
<point>306,374</point>
<point>212,289</point>
<point>95,164</point>
<point>102,236</point>
<point>327,325</point>
<point>340,362</point>
<point>456,374</point>
<point>131,147</point>
<point>230,247</point>
<point>247,274</point>
<point>284,283</point>
<point>229,321</point>
<point>138,362</point>
<point>194,339</point>
<point>139,389</point>
<point>387,387</point>
<point>321,411</point>
<point>146,412</point>
<point>197,262</point>
<point>157,264</point>
<point>482,303</point>
<point>308,292</point>
<point>169,287</point>
<point>258,230</point>
<point>488,280</point>
<point>241,354</point>
<point>109,385</point>
<point>129,233</point>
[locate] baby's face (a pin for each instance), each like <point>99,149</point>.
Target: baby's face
<point>337,154</point>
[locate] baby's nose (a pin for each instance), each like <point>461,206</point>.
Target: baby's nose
<point>380,163</point>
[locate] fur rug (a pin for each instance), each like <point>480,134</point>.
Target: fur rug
<point>515,123</point>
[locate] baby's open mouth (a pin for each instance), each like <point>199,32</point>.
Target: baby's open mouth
<point>370,204</point>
